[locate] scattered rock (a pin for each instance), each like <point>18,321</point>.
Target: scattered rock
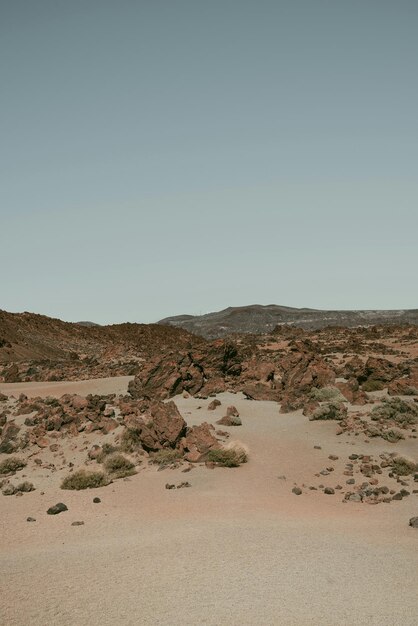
<point>96,500</point>
<point>413,522</point>
<point>57,508</point>
<point>329,491</point>
<point>77,524</point>
<point>297,491</point>
<point>30,519</point>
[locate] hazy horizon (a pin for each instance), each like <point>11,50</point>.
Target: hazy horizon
<point>168,158</point>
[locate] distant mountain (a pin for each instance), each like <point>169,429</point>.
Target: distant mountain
<point>87,324</point>
<point>258,318</point>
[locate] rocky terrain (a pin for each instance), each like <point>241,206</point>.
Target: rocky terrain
<point>35,347</point>
<point>257,319</point>
<point>141,432</point>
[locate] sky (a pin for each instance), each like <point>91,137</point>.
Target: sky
<point>161,157</point>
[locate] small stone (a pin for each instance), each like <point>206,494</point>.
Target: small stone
<point>57,508</point>
<point>353,457</point>
<point>183,484</point>
<point>350,481</point>
<point>96,500</point>
<point>397,496</point>
<point>333,457</point>
<point>413,522</point>
<point>329,491</point>
<point>30,519</point>
<point>170,486</point>
<point>317,448</point>
<point>77,524</point>
<point>297,491</point>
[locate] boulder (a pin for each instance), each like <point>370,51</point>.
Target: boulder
<point>198,441</point>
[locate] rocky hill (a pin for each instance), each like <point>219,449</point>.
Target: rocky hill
<point>56,350</point>
<point>257,319</point>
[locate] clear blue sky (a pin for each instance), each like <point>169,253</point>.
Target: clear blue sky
<point>160,157</point>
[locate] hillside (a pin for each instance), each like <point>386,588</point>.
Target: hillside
<point>263,319</point>
<point>73,349</point>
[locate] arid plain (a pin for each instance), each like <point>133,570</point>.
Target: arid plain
<point>310,524</point>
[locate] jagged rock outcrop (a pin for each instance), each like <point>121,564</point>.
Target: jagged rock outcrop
<point>202,373</point>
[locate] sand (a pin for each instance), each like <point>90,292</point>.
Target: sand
<point>237,547</point>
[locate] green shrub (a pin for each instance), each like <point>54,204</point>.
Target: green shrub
<point>327,394</point>
<point>25,487</point>
<point>403,466</point>
<point>330,411</point>
<point>372,385</point>
<point>167,456</point>
<point>12,465</point>
<point>130,440</point>
<point>401,412</point>
<point>106,450</point>
<point>119,466</point>
<point>85,480</point>
<point>392,435</point>
<point>228,458</point>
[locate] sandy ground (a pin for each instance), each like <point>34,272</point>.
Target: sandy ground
<point>237,548</point>
<point>101,386</point>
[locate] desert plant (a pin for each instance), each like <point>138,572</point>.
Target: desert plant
<point>166,456</point>
<point>119,466</point>
<point>401,412</point>
<point>228,458</point>
<point>130,440</point>
<point>402,466</point>
<point>106,450</point>
<point>25,487</point>
<point>392,435</point>
<point>330,411</point>
<point>372,385</point>
<point>327,394</point>
<point>85,480</point>
<point>12,465</point>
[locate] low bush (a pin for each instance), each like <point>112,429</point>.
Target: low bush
<point>327,394</point>
<point>130,440</point>
<point>167,456</point>
<point>85,480</point>
<point>228,458</point>
<point>372,385</point>
<point>119,466</point>
<point>400,412</point>
<point>402,466</point>
<point>392,435</point>
<point>12,465</point>
<point>25,487</point>
<point>106,450</point>
<point>330,411</point>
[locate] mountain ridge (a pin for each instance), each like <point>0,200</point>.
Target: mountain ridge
<point>258,318</point>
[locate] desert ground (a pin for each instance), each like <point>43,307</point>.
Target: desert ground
<point>236,547</point>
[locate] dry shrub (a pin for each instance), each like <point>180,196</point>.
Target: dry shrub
<point>12,465</point>
<point>85,480</point>
<point>118,466</point>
